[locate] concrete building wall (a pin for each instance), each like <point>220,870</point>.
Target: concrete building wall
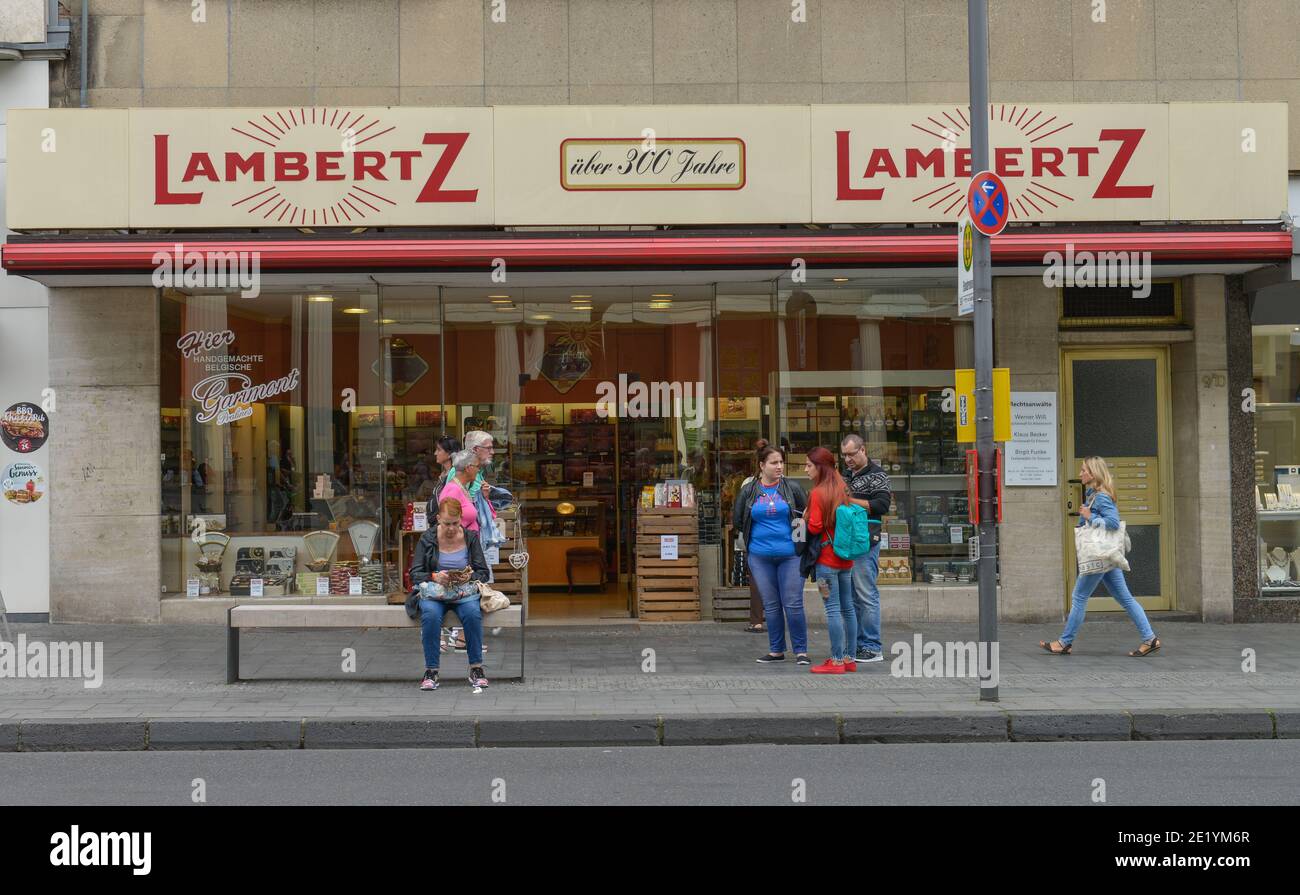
<point>461,52</point>
<point>1201,471</point>
<point>24,529</point>
<point>104,555</point>
<point>1030,539</point>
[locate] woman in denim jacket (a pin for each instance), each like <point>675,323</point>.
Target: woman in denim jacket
<point>1099,509</point>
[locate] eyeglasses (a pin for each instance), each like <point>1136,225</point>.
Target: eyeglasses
<point>847,454</point>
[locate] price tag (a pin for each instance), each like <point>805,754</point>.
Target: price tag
<point>420,521</point>
<point>668,546</point>
<point>955,534</point>
<point>192,587</point>
<point>323,586</point>
<point>492,555</point>
<point>255,587</point>
<point>354,585</point>
<point>588,479</point>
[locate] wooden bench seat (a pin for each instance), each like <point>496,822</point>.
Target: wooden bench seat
<point>254,615</point>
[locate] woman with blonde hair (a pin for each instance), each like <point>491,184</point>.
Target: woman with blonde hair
<point>1099,509</point>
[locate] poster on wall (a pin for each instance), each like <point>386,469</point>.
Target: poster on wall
<point>1031,453</point>
<point>23,483</point>
<point>24,427</point>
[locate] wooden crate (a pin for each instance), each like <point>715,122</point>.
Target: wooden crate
<point>731,604</point>
<point>667,590</point>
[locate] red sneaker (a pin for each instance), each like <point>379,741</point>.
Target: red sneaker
<point>827,667</point>
<point>850,665</point>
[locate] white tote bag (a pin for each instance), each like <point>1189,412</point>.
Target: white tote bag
<point>1100,549</point>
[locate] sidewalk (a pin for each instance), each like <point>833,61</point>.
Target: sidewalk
<point>705,687</point>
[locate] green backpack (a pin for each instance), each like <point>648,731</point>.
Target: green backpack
<point>852,531</point>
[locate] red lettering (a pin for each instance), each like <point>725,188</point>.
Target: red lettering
<point>1081,153</point>
<point>237,164</point>
<point>1047,158</point>
<point>1002,161</point>
<point>404,157</point>
<point>1109,187</point>
<point>963,163</point>
<point>161,195</point>
<point>880,161</point>
<point>290,166</point>
<point>917,162</point>
<point>360,168</point>
<point>433,191</point>
<point>842,189</point>
<point>327,165</point>
<point>200,166</point>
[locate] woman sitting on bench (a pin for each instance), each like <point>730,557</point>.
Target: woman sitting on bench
<point>448,565</point>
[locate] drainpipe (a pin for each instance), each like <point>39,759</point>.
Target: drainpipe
<point>85,39</point>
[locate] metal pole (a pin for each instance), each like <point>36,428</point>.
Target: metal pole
<point>978,36</point>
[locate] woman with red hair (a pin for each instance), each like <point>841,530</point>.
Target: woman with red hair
<point>834,576</point>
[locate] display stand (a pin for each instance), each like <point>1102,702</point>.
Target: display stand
<point>667,590</point>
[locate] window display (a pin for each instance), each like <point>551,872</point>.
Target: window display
<point>1276,365</point>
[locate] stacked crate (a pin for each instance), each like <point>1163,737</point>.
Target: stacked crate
<point>508,579</point>
<point>668,590</point>
<point>731,604</point>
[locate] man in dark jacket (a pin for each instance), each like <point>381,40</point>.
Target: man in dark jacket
<point>869,488</point>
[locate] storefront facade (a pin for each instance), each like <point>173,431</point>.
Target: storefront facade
<point>776,272</point>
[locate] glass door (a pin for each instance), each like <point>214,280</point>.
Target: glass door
<point>1116,406</point>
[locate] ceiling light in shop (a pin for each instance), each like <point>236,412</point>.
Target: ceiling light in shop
<point>579,297</point>
<point>661,295</point>
<point>355,311</point>
<point>388,321</point>
<point>320,298</point>
<point>839,279</point>
<point>661,306</point>
<point>541,316</point>
<point>500,298</point>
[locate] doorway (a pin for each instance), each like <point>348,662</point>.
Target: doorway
<point>1115,404</point>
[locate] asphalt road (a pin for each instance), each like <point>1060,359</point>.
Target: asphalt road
<point>1134,773</point>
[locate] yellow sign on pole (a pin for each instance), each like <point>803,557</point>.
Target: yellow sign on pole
<point>965,406</point>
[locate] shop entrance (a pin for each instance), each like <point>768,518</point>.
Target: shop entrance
<point>1115,404</point>
<point>591,394</point>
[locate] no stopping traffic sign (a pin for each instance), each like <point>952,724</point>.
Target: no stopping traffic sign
<point>988,203</point>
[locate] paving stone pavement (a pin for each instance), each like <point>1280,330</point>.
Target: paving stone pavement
<point>159,672</point>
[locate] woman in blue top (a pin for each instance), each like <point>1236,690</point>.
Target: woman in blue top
<point>1099,509</point>
<point>765,513</point>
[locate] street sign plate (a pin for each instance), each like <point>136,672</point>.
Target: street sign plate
<point>965,266</point>
<point>988,203</point>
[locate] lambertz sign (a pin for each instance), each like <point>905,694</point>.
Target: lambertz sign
<point>570,165</point>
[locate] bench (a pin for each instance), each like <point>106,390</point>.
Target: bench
<point>246,616</point>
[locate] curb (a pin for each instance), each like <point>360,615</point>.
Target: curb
<point>537,731</point>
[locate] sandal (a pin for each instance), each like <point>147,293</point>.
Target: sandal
<point>1063,651</point>
<point>1146,648</point>
<point>755,629</point>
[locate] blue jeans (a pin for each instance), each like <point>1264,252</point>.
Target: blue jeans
<point>1084,585</point>
<point>471,617</point>
<point>866,600</point>
<point>841,618</point>
<point>781,587</point>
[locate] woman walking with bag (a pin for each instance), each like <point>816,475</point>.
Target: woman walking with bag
<point>764,513</point>
<point>1099,510</point>
<point>834,575</point>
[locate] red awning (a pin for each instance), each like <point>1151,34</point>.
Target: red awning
<point>660,250</point>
